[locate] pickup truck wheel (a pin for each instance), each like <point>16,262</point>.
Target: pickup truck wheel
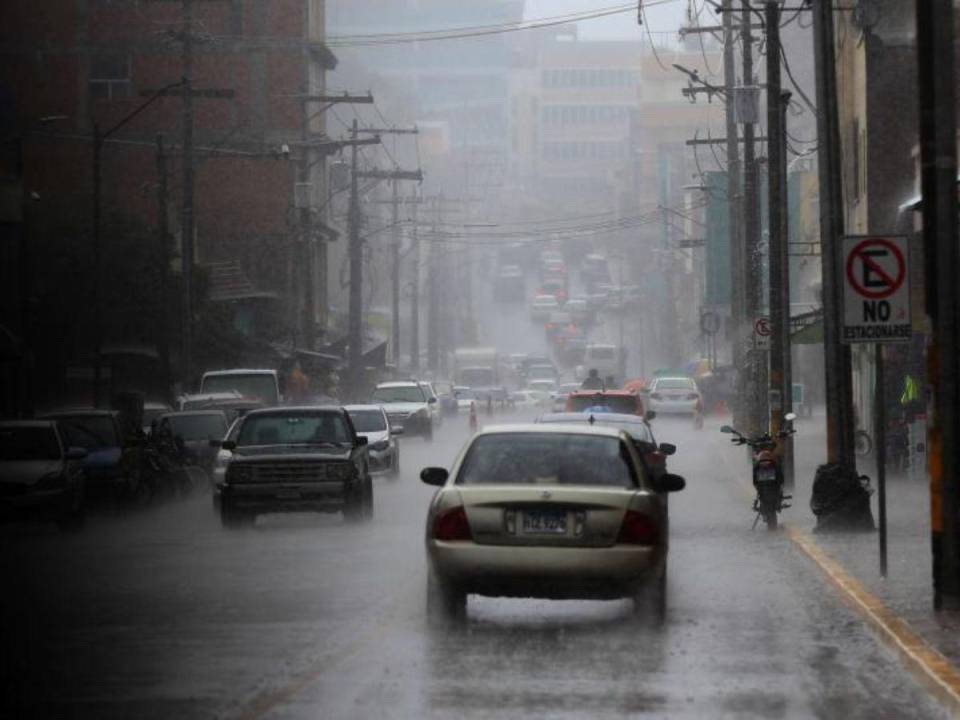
<point>650,600</point>
<point>231,518</point>
<point>367,508</point>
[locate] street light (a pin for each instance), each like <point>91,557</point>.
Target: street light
<point>98,139</point>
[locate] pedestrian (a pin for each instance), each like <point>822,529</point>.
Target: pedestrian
<point>592,381</point>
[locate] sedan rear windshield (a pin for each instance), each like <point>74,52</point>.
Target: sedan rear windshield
<point>365,421</point>
<point>29,443</point>
<point>91,432</point>
<point>611,403</point>
<point>294,429</point>
<point>676,384</point>
<point>198,427</point>
<point>547,459</point>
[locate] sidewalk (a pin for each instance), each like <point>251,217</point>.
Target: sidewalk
<point>908,588</point>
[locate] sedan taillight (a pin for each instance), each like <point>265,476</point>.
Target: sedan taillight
<point>638,529</point>
<point>452,524</point>
<point>692,396</point>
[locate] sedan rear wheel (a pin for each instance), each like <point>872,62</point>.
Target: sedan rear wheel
<point>650,600</point>
<point>445,603</point>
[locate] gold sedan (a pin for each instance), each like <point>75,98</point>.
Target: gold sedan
<point>548,512</point>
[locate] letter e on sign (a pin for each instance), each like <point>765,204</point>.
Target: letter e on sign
<point>876,289</point>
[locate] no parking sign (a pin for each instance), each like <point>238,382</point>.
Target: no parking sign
<point>876,290</point>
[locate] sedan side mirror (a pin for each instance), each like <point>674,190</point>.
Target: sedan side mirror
<point>670,483</point>
<point>726,429</point>
<point>396,430</point>
<point>649,415</point>
<point>361,440</point>
<point>215,443</point>
<point>76,453</point>
<point>432,400</point>
<point>434,475</point>
<point>668,448</point>
<point>228,445</point>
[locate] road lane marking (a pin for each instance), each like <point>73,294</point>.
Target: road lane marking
<point>926,664</point>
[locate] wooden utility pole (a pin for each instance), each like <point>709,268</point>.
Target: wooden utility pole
<point>780,387</point>
<point>938,157</point>
<point>355,251</point>
<point>737,280</point>
<point>163,264</point>
<point>415,293</point>
<point>187,219</point>
<point>837,379</point>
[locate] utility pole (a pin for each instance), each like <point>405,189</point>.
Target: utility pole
<point>187,219</point>
<point>780,388</point>
<point>433,310</point>
<point>304,246</point>
<point>354,329</point>
<point>752,381</point>
<point>163,251</point>
<point>97,315</point>
<point>837,380</point>
<point>737,279</point>
<point>938,156</point>
<point>415,294</point>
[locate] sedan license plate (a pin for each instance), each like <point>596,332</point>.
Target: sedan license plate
<point>537,522</point>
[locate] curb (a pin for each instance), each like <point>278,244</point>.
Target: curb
<point>926,664</point>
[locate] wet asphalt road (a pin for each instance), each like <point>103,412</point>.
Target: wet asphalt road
<point>163,614</point>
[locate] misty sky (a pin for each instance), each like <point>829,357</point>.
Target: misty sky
<point>664,16</point>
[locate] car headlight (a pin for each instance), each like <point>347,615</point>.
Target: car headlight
<point>380,446</point>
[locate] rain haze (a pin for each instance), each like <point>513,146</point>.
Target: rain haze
<point>479,359</point>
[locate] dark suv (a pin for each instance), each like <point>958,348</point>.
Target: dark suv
<point>296,459</point>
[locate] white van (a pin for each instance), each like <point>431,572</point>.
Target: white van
<point>262,385</point>
<point>603,358</point>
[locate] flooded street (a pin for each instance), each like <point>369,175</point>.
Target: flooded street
<point>165,614</point>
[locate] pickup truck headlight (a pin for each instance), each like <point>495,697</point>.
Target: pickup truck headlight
<point>239,473</point>
<point>340,471</point>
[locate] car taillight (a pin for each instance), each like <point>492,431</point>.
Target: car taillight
<point>638,529</point>
<point>451,524</point>
<point>692,396</point>
<point>656,396</point>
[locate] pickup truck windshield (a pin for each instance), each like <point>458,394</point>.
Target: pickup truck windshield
<point>402,393</point>
<point>290,428</point>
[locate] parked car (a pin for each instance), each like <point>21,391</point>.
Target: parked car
<point>41,476</point>
<point>618,401</point>
<point>371,422</point>
<point>195,430</point>
<point>296,459</point>
<point>261,385</point>
<point>559,399</point>
<point>529,399</point>
<point>542,305</point>
<point>407,406</point>
<point>675,395</point>
<point>553,511</point>
<point>97,432</point>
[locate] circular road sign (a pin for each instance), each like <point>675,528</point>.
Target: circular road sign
<point>709,323</point>
<point>761,326</point>
<point>867,276</point>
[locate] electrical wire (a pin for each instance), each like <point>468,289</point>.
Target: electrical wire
<point>703,49</point>
<point>653,46</point>
<point>796,85</point>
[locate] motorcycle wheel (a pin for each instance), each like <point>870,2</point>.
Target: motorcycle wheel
<point>770,518</point>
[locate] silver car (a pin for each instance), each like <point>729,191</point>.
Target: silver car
<point>674,396</point>
<point>371,421</point>
<point>550,512</point>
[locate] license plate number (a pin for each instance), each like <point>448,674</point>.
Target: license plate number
<point>536,522</point>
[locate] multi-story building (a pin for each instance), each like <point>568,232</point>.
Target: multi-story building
<point>66,68</point>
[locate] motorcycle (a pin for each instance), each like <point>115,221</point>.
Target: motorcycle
<point>767,471</point>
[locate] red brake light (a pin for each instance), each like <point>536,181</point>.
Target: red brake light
<point>451,524</point>
<point>638,529</point>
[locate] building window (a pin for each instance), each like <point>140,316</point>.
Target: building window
<point>109,77</point>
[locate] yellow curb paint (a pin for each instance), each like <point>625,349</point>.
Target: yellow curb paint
<point>929,666</point>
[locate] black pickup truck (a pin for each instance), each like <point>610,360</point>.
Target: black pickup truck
<point>296,459</point>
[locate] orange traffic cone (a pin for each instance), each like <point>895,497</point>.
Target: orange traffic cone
<point>473,416</point>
